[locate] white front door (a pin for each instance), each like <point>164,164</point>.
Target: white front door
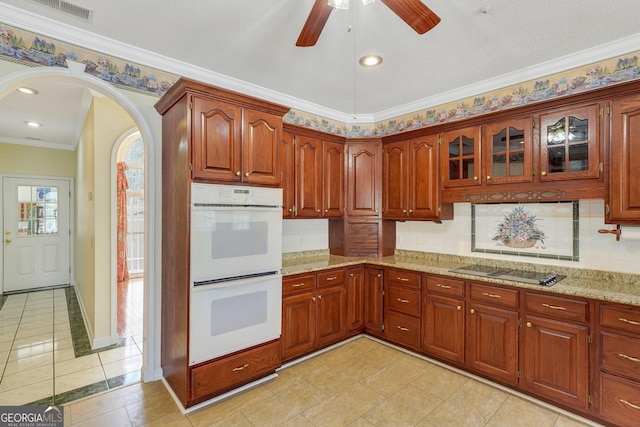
<point>36,233</point>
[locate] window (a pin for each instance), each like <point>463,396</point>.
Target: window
<point>37,211</point>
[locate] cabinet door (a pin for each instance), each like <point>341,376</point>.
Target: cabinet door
<point>331,315</point>
<point>355,298</point>
<point>261,139</point>
<point>217,139</point>
<point>556,361</point>
<point>492,348</point>
<point>570,144</point>
<point>363,179</point>
<point>333,180</point>
<point>373,297</point>
<point>424,197</point>
<point>508,151</point>
<point>443,328</point>
<point>395,180</point>
<point>298,325</point>
<point>460,157</point>
<point>308,177</point>
<point>624,174</point>
<point>287,173</point>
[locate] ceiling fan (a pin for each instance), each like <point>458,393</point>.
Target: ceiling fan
<point>413,12</point>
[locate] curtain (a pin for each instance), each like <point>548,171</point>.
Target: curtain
<point>121,201</point>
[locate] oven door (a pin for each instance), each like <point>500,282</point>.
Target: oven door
<point>232,316</point>
<point>232,242</point>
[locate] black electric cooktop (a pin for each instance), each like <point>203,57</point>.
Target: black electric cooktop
<point>524,276</point>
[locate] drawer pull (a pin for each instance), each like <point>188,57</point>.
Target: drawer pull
<point>403,301</point>
<point>331,278</point>
<point>403,328</point>
<point>631,358</point>
<point>553,307</point>
<point>626,402</point>
<point>631,322</point>
<point>240,368</point>
<point>486,294</point>
<point>402,279</point>
<point>443,286</point>
<point>297,285</point>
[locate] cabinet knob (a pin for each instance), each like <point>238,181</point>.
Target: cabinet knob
<point>543,173</point>
<point>410,210</point>
<point>290,209</point>
<point>246,174</point>
<point>376,210</point>
<point>238,173</point>
<point>472,311</point>
<point>318,210</point>
<point>313,299</point>
<point>459,308</point>
<point>326,210</point>
<point>529,324</point>
<point>379,275</point>
<point>404,211</point>
<point>488,177</point>
<point>475,178</point>
<point>319,296</point>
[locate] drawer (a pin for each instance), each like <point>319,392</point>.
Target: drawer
<point>551,305</point>
<point>300,282</point>
<point>620,318</point>
<point>493,295</point>
<point>405,300</point>
<point>225,373</point>
<point>620,401</point>
<point>620,355</point>
<point>331,277</point>
<point>445,286</point>
<point>403,277</point>
<point>403,329</point>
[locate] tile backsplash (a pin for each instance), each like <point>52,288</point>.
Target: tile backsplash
<point>597,251</point>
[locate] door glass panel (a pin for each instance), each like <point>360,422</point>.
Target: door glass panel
<point>500,141</point>
<point>499,165</point>
<point>454,169</point>
<point>454,148</point>
<point>516,164</point>
<point>516,138</point>
<point>467,146</point>
<point>467,168</point>
<point>578,129</point>
<point>37,211</point>
<point>556,133</point>
<point>578,157</point>
<point>556,159</point>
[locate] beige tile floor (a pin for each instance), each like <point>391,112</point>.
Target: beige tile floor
<point>37,359</point>
<point>362,383</point>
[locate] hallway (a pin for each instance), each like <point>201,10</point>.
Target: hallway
<point>45,354</point>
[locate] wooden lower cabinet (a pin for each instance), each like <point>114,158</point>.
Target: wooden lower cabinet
<point>373,300</point>
<point>355,299</point>
<point>331,315</point>
<point>229,372</point>
<point>443,322</point>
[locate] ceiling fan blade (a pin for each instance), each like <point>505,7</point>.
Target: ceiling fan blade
<point>315,23</point>
<point>415,13</point>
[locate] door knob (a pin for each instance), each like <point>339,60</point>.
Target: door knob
<point>7,240</point>
<point>7,233</point>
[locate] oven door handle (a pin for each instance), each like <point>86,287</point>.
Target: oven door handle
<point>232,283</point>
<point>207,207</point>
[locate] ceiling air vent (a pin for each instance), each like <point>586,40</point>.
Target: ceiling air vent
<point>68,8</point>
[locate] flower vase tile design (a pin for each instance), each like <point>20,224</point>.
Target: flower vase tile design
<point>519,229</point>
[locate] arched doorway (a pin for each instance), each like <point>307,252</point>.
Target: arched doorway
<point>75,72</point>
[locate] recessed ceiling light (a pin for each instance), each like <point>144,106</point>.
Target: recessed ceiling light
<point>370,60</point>
<point>32,124</point>
<point>28,90</point>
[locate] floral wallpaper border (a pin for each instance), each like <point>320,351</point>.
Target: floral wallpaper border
<point>36,50</point>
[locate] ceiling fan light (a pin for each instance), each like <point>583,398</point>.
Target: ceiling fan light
<point>339,4</point>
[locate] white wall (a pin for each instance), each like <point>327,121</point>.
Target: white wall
<point>305,235</point>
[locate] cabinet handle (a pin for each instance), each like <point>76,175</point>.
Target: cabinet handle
<point>410,210</point>
<point>403,328</point>
<point>240,368</point>
<point>238,173</point>
<point>317,210</point>
<point>631,322</point>
<point>297,285</point>
<point>459,308</point>
<point>443,286</point>
<point>488,177</point>
<point>475,178</point>
<point>404,211</point>
<point>472,311</point>
<point>290,209</point>
<point>543,173</point>
<point>313,299</point>
<point>554,307</point>
<point>332,278</point>
<point>529,324</point>
<point>319,296</point>
<point>626,402</point>
<point>402,279</point>
<point>403,301</point>
<point>486,294</point>
<point>326,210</point>
<point>379,275</point>
<point>630,358</point>
<point>246,174</point>
<point>351,274</point>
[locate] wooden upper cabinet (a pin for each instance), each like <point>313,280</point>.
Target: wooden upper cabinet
<point>309,153</point>
<point>395,179</point>
<point>287,174</point>
<point>460,157</point>
<point>624,175</point>
<point>570,143</point>
<point>424,195</point>
<point>332,179</point>
<point>508,151</point>
<point>217,140</point>
<point>260,147</point>
<point>364,181</point>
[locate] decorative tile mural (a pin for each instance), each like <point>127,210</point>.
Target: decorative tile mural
<point>36,50</point>
<point>541,230</point>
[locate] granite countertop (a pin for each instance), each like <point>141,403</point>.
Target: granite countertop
<point>594,284</point>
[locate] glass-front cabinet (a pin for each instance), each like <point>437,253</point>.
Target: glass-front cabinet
<point>569,144</point>
<point>508,151</point>
<point>460,157</point>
